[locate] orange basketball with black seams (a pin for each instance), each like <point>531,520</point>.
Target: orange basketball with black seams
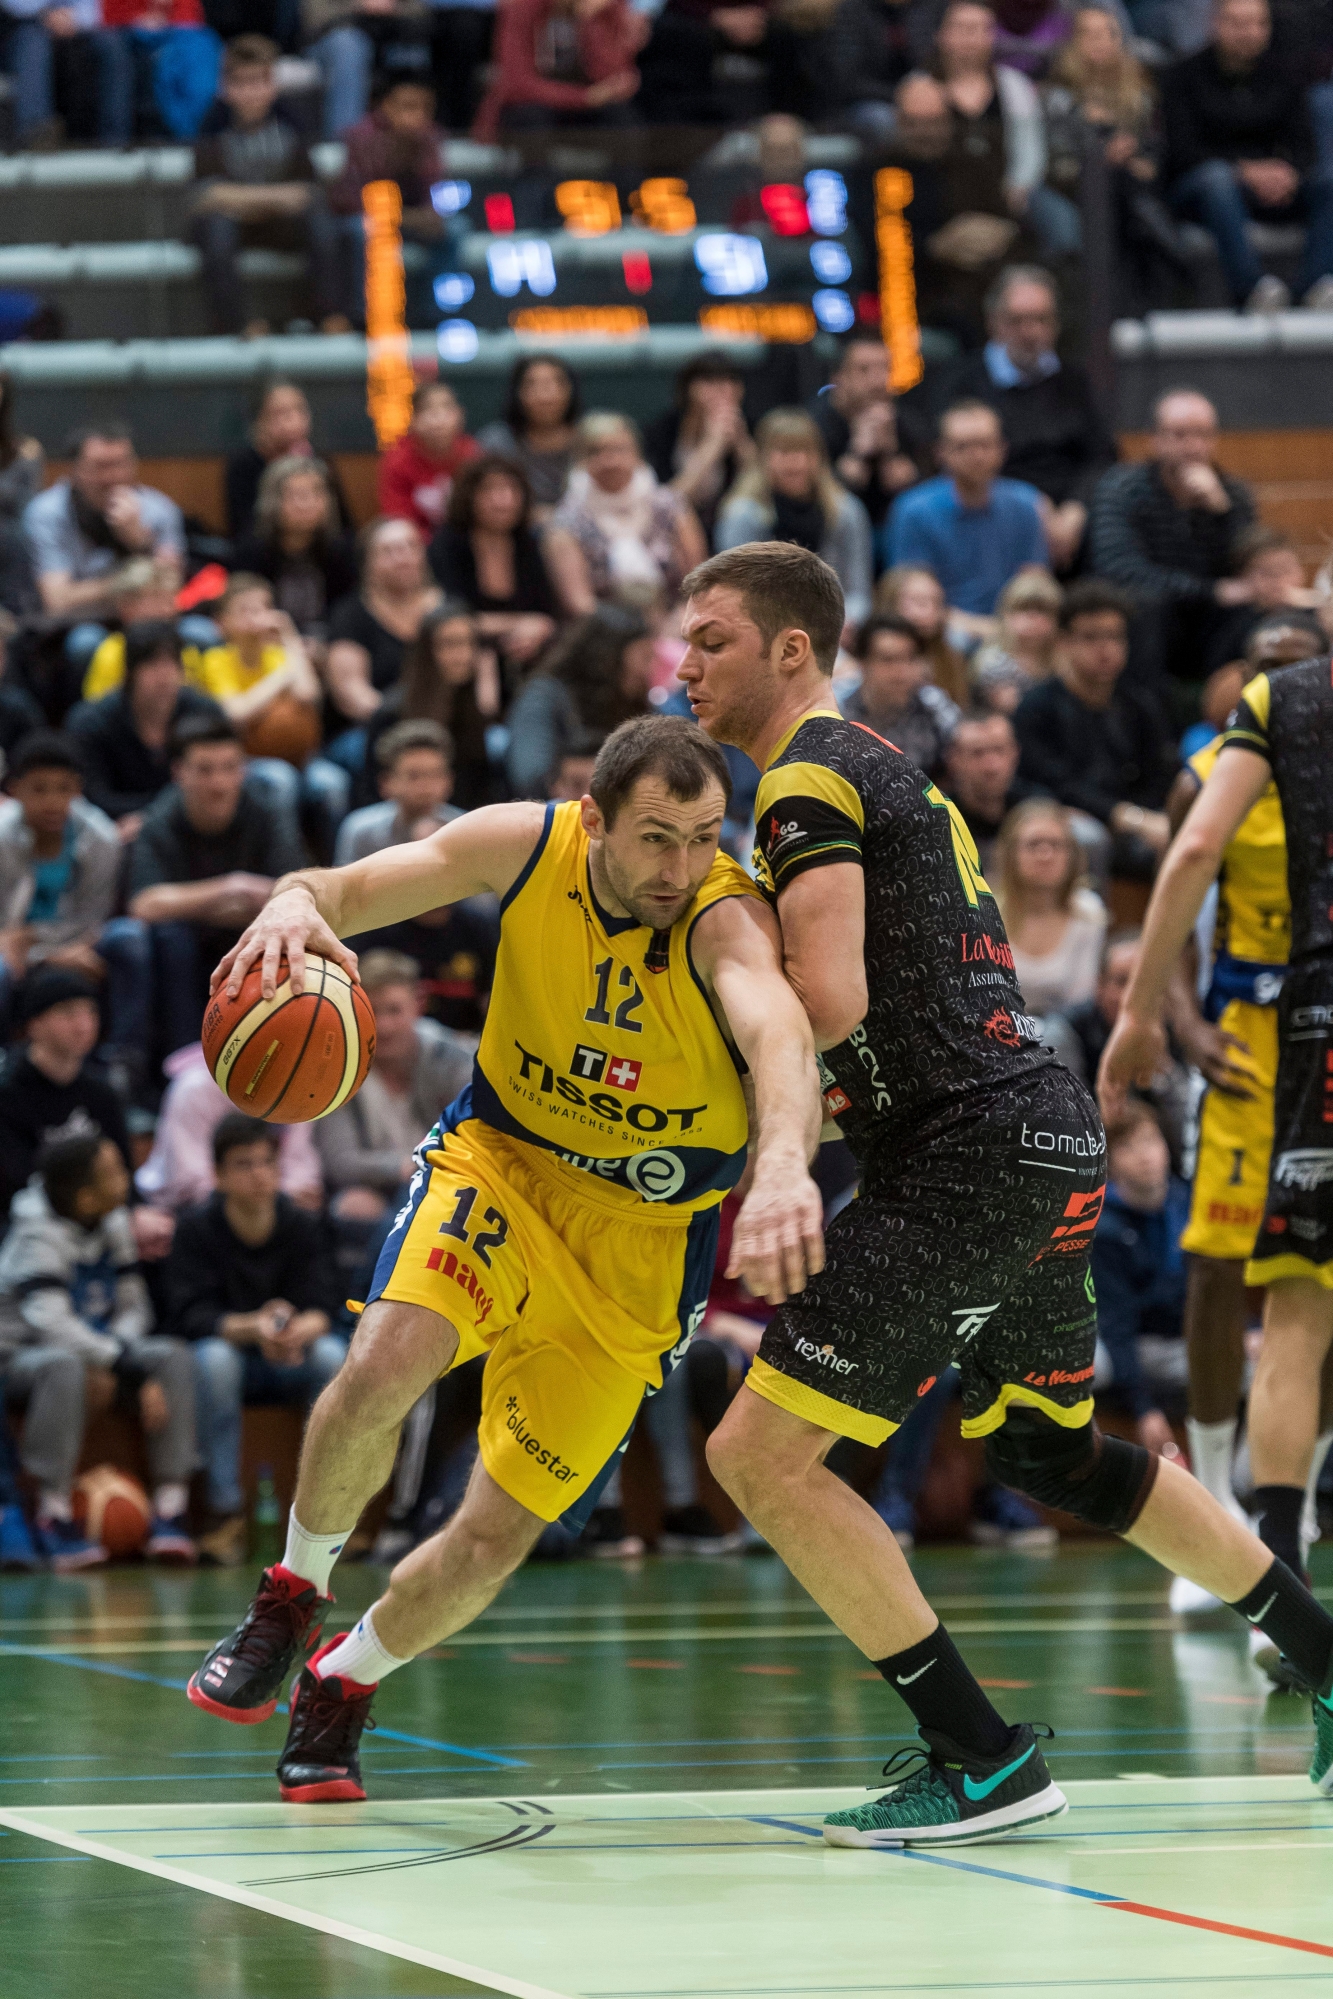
<point>298,1056</point>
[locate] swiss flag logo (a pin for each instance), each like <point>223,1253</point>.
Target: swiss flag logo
<point>624,1073</point>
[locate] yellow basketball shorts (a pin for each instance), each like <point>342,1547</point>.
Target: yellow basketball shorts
<point>581,1301</point>
<point>1235,1139</point>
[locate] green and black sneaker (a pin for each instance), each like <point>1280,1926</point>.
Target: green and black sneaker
<point>1321,1762</point>
<point>943,1795</point>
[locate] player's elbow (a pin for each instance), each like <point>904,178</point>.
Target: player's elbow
<point>835,1003</point>
<point>1196,847</point>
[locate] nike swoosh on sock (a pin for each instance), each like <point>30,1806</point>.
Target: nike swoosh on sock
<point>1263,1612</point>
<point>917,1674</point>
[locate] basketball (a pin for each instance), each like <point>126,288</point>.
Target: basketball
<point>112,1508</point>
<point>298,1056</point>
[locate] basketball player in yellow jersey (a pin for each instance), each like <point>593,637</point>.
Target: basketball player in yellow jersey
<point>563,1215</point>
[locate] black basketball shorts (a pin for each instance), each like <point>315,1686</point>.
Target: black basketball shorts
<point>969,1246</point>
<point>1296,1235</point>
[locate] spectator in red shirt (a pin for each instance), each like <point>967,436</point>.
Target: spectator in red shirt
<point>399,141</point>
<point>169,38</point>
<point>562,62</point>
<point>417,474</point>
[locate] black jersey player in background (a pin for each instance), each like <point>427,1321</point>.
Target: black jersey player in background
<point>981,1170</point>
<point>1283,729</point>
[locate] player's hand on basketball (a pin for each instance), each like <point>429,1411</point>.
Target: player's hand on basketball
<point>288,926</point>
<point>778,1240</point>
<point>1134,1054</point>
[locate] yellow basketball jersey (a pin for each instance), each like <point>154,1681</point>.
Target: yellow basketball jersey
<point>600,1045</point>
<point>1253,904</point>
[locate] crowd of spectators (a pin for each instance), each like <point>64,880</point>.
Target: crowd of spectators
<point>1045,630</point>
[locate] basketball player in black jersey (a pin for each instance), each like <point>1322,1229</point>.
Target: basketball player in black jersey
<point>981,1174</point>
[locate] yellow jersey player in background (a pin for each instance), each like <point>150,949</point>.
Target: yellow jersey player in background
<point>1233,1044</point>
<point>563,1216</point>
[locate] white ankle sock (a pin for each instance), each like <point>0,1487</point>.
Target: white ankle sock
<point>312,1556</point>
<point>170,1501</point>
<point>1212,1447</point>
<point>55,1506</point>
<point>358,1656</point>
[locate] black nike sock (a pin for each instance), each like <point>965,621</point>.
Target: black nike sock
<point>937,1684</point>
<point>1278,1521</point>
<point>1285,1611</point>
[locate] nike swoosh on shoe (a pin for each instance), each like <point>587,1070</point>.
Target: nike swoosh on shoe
<point>974,1792</point>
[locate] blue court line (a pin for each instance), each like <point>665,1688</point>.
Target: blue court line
<point>962,1866</point>
<point>486,1756</point>
<point>44,1859</point>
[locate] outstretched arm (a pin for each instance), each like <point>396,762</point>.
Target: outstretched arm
<point>312,910</point>
<point>779,1238</point>
<point>1137,1046</point>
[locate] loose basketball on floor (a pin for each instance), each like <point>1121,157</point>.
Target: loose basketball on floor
<point>298,1056</point>
<point>113,1508</point>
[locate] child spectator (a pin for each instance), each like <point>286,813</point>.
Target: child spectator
<point>562,62</point>
<point>167,42</point>
<point>249,1285</point>
<point>895,696</point>
<point>451,680</point>
<point>398,141</point>
<point>47,1089</point>
<point>1266,560</point>
<point>256,186</point>
<point>419,1068</point>
<point>262,679</point>
<point>368,38</point>
<point>416,772</point>
<point>1080,1036</point>
<point>1138,1269</point>
<point>416,475</point>
<point>59,867</point>
<point>1022,653</point>
<point>918,595</point>
<point>179,1173</point>
<point>202,867</point>
<point>971,527</point>
<point>122,739</point>
<point>70,1288</point>
<point>1055,924</point>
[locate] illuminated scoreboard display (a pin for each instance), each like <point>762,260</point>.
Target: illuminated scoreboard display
<point>608,261</point>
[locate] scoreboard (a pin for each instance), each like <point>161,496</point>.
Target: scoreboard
<point>553,258</point>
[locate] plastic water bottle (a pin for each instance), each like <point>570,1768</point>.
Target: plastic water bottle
<point>267,1537</point>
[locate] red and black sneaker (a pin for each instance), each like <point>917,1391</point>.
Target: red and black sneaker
<point>320,1765</point>
<point>243,1675</point>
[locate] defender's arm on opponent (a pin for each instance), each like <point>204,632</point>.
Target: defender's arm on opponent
<point>823,917</point>
<point>312,910</point>
<point>779,1237</point>
<point>1137,1047</point>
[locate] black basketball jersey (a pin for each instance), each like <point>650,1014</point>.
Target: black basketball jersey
<point>1287,716</point>
<point>945,1017</point>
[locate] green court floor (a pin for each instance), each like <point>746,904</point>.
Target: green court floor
<point>611,1786</point>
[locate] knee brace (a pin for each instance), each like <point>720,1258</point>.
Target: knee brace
<point>1100,1480</point>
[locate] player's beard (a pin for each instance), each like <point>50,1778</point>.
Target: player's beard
<point>740,720</point>
<point>635,898</point>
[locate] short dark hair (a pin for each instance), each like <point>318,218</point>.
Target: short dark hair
<point>236,1130</point>
<point>404,737</point>
<point>196,730</point>
<point>710,366</point>
<point>67,1166</point>
<point>1090,598</point>
<point>463,497</point>
<point>884,621</point>
<point>389,80</point>
<point>783,588</point>
<point>249,52</point>
<point>110,431</point>
<point>150,638</point>
<point>432,386</point>
<point>44,749</point>
<point>665,746</point>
